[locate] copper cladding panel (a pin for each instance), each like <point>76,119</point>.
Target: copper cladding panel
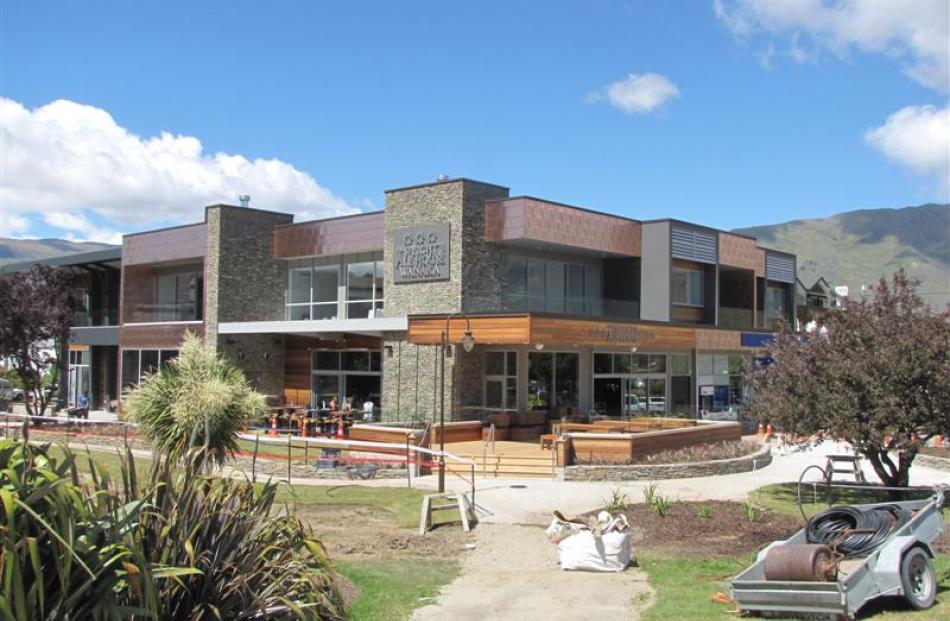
<point>537,220</point>
<point>346,235</point>
<point>167,336</point>
<point>183,242</point>
<point>738,251</point>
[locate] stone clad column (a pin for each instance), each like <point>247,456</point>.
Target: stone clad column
<point>473,284</point>
<point>243,282</point>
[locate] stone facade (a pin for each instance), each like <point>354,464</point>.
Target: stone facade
<point>243,282</point>
<point>412,374</point>
<point>654,472</point>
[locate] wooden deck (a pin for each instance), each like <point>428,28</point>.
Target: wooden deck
<point>505,448</point>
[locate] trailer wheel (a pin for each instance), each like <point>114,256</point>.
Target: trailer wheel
<point>918,579</point>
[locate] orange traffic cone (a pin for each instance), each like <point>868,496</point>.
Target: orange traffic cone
<point>761,430</point>
<point>768,431</point>
<point>273,426</point>
<point>339,430</point>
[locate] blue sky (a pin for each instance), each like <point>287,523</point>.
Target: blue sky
<point>766,115</point>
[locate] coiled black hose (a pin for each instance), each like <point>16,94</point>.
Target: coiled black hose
<point>874,525</point>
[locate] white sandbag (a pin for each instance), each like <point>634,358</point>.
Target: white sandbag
<point>582,551</point>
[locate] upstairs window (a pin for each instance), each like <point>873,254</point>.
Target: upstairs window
<point>688,287</point>
<point>364,290</point>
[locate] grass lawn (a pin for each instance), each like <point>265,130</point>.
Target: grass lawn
<point>402,502</point>
<point>107,459</point>
<point>390,589</point>
<point>684,584</point>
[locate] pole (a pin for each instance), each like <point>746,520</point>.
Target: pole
<point>442,415</point>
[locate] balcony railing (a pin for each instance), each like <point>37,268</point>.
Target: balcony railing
<point>736,318</point>
<point>160,313</point>
<point>108,317</point>
<point>603,307</point>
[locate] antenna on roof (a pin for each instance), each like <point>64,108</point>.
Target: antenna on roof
<point>245,200</point>
<point>442,178</point>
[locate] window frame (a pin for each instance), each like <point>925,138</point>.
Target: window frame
<point>691,286</point>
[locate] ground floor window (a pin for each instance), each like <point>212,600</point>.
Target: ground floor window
<point>629,385</point>
<point>500,390</point>
<point>349,376</point>
<point>721,388</point>
<point>137,363</point>
<point>80,376</point>
<point>552,380</point>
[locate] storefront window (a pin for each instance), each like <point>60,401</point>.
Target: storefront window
<point>346,374</point>
<point>720,385</point>
<point>501,380</point>
<point>552,379</point>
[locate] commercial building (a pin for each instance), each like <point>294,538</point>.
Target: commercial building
<point>570,310</point>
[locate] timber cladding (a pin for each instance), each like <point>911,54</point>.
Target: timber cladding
<point>487,329</point>
<point>528,329</point>
<point>625,448</point>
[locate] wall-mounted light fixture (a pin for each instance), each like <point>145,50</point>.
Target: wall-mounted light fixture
<point>539,346</point>
<point>389,351</point>
<point>633,349</point>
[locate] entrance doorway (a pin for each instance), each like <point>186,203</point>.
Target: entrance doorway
<point>626,396</point>
<point>79,376</point>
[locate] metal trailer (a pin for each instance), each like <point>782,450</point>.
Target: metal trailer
<point>902,565</point>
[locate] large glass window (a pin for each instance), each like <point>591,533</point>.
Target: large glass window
<point>541,285</point>
<point>552,379</point>
<point>137,363</point>
<point>631,384</point>
<point>353,376</point>
<point>364,290</point>
<point>721,389</point>
<point>178,296</point>
<point>501,380</point>
<point>688,286</point>
<point>312,292</point>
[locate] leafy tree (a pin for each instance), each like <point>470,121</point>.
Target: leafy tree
<point>36,310</point>
<point>876,374</point>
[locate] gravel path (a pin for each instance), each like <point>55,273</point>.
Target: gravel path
<point>513,575</point>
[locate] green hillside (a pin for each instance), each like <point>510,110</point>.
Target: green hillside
<point>858,247</point>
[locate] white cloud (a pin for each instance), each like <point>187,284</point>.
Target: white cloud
<point>65,157</point>
<point>917,31</point>
<point>77,227</point>
<point>917,137</point>
<point>637,94</point>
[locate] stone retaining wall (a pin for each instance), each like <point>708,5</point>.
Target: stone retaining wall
<point>930,461</point>
<point>655,472</point>
<point>278,469</point>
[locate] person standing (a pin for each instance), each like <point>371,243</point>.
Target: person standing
<point>84,406</point>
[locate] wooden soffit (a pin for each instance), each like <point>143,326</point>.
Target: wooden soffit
<point>567,332</point>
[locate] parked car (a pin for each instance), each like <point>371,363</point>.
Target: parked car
<point>9,392</point>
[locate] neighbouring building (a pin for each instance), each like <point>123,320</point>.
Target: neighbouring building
<point>571,310</point>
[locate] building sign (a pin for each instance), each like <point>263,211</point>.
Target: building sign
<point>619,334</point>
<point>707,390</point>
<point>421,253</point>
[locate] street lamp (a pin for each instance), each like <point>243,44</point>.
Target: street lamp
<point>468,344</point>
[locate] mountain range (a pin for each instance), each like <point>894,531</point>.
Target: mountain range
<point>857,248</point>
<point>19,250</point>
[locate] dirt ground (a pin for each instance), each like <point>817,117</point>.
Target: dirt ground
<point>360,531</point>
<point>513,575</point>
<point>726,531</point>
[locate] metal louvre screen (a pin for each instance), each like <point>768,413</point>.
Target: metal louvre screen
<point>693,245</point>
<point>780,268</point>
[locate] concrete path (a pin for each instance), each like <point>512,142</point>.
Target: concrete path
<point>512,575</point>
